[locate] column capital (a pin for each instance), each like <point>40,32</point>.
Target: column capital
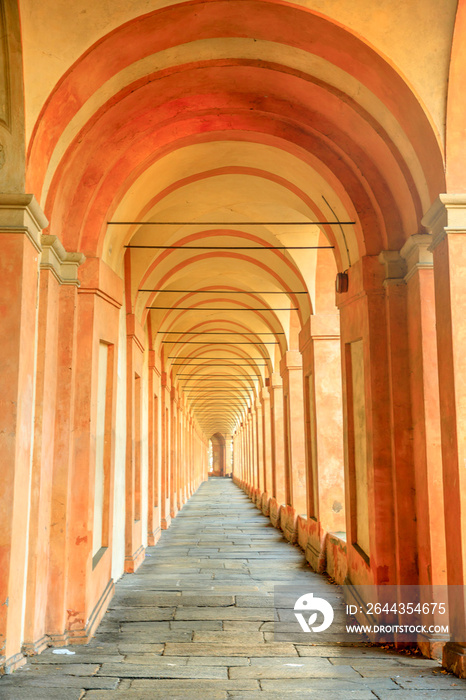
<point>21,213</point>
<point>96,277</point>
<point>264,395</point>
<point>154,363</point>
<point>275,381</point>
<point>291,360</point>
<point>63,265</point>
<point>417,254</point>
<point>447,215</point>
<point>395,267</point>
<point>134,331</point>
<point>319,326</point>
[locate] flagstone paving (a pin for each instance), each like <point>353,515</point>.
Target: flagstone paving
<point>196,622</point>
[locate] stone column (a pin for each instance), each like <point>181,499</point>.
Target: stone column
<point>254,455</point>
<point>319,343</point>
<point>166,449</point>
<point>180,456</point>
<point>250,444</point>
<point>21,221</point>
<point>63,466</point>
<point>400,416</point>
<point>134,550</point>
<point>153,527</point>
<point>190,456</point>
<point>366,419</point>
<point>446,220</point>
<point>89,519</point>
<point>173,452</point>
<point>259,449</point>
<point>291,369</point>
<point>427,449</point>
<point>242,436</point>
<point>267,448</point>
<point>228,450</point>
<point>58,282</point>
<point>277,438</point>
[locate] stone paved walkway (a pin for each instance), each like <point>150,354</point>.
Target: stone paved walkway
<point>196,622</point>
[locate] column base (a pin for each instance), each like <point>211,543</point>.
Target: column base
<point>37,647</point>
<point>274,512</point>
<point>265,504</point>
<point>83,635</point>
<point>12,663</point>
<point>59,640</point>
<point>166,522</point>
<point>432,647</point>
<point>153,537</point>
<point>133,562</point>
<point>289,523</point>
<point>454,659</point>
<point>313,555</point>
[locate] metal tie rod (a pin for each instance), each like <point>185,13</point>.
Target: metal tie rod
<point>214,308</point>
<point>213,291</point>
<point>229,247</point>
<point>200,342</point>
<point>217,333</point>
<point>231,223</point>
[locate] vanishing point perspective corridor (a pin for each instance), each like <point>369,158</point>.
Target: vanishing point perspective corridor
<point>196,622</point>
<point>233,341</point>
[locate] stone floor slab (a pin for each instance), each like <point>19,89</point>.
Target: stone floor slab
<point>334,685</point>
<point>229,637</point>
<point>67,669</point>
<point>453,694</point>
<point>193,685</point>
<point>14,693</point>
<point>150,695</point>
<point>230,650</point>
<point>319,670</point>
<point>232,613</point>
<point>56,681</point>
<point>432,682</point>
<point>304,695</point>
<point>157,671</point>
<point>134,648</point>
<point>195,622</point>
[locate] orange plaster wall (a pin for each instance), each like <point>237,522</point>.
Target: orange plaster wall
<point>56,622</point>
<point>362,312</point>
<point>98,315</point>
<point>42,463</point>
<point>426,428</point>
<point>18,269</point>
